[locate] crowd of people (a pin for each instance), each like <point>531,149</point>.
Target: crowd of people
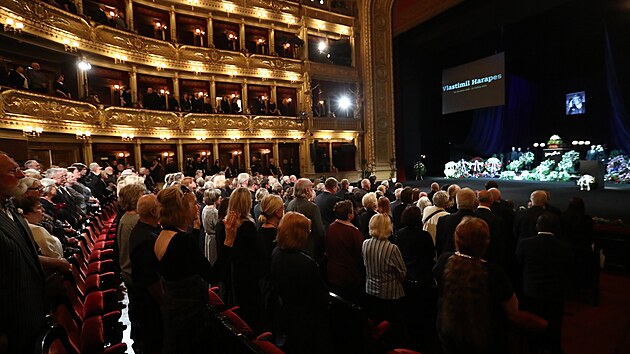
<point>275,246</point>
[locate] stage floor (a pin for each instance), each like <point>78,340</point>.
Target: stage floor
<point>611,203</point>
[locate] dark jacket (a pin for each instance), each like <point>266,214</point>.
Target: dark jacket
<point>445,232</point>
<point>326,203</point>
<point>497,249</point>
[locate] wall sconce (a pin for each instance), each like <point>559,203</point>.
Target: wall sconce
<point>289,100</point>
<point>196,69</point>
<point>326,137</point>
<point>159,66</point>
<point>13,26</point>
<point>237,152</point>
<point>295,135</point>
<point>193,3</point>
<point>200,33</point>
<point>161,29</point>
<point>127,137</point>
<point>289,20</point>
<point>261,14</point>
<point>264,74</point>
<point>293,78</point>
<point>165,137</point>
<point>31,132</point>
<point>119,58</point>
<point>203,153</point>
<point>165,154</point>
<point>229,8</point>
<point>201,137</point>
<point>321,27</point>
<point>265,151</point>
<point>83,135</point>
<point>232,73</point>
<point>116,87</point>
<point>201,94</point>
<point>70,46</point>
<point>348,138</point>
<point>267,135</point>
<point>234,135</point>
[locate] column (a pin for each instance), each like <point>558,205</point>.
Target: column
<point>276,153</point>
<point>357,153</point>
<point>304,31</point>
<point>82,83</point>
<point>173,24</point>
<point>210,31</point>
<point>137,154</point>
<point>241,34</point>
<point>274,94</point>
<point>215,150</point>
<point>330,159</point>
<point>353,48</point>
<point>175,92</point>
<point>180,155</point>
<point>244,98</point>
<point>272,39</point>
<point>133,83</point>
<point>129,14</point>
<point>87,152</point>
<point>306,165</point>
<point>213,92</point>
<point>246,156</point>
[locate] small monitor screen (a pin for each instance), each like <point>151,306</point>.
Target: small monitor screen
<point>576,103</point>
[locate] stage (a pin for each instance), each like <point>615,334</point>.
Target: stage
<point>609,203</point>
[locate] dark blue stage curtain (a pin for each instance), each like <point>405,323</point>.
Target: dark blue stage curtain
<point>619,121</point>
<point>494,129</point>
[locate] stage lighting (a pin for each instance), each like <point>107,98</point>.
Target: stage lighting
<point>542,145</point>
<point>581,142</point>
<point>535,145</point>
<point>574,142</point>
<point>588,142</point>
<point>322,46</point>
<point>344,102</point>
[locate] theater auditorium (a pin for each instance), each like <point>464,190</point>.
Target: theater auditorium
<point>314,176</point>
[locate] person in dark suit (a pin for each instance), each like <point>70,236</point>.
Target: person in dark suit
<point>435,187</point>
<point>151,100</point>
<point>17,78</point>
<point>406,197</point>
<point>445,231</point>
<point>416,246</point>
<point>301,204</point>
<point>326,202</point>
<point>547,262</point>
<point>496,252</point>
<point>525,220</point>
<point>22,300</point>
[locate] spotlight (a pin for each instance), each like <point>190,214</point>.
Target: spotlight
<point>322,46</point>
<point>588,142</point>
<point>535,145</point>
<point>574,142</point>
<point>84,65</point>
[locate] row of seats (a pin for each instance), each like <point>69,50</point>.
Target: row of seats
<point>238,336</point>
<point>86,317</point>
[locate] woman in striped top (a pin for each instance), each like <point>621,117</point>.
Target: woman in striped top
<point>385,273</point>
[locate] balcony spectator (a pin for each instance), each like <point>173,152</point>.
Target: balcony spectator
<point>186,103</point>
<point>125,98</point>
<point>4,72</point>
<point>37,80</point>
<point>272,110</point>
<point>234,108</point>
<point>100,16</point>
<point>151,100</point>
<point>17,78</point>
<point>225,105</point>
<point>172,104</point>
<point>60,89</point>
<point>197,104</point>
<point>120,23</point>
<point>207,106</point>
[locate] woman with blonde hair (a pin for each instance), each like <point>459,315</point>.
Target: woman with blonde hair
<point>476,297</point>
<point>370,203</point>
<point>244,258</point>
<point>385,273</point>
<point>304,295</point>
<point>186,273</point>
<point>271,212</point>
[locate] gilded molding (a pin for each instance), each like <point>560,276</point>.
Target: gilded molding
<point>20,108</point>
<point>378,81</point>
<point>47,108</point>
<point>332,72</point>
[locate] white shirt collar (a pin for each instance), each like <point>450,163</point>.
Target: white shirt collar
<point>484,207</point>
<point>544,233</point>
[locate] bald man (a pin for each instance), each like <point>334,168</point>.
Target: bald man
<point>525,220</point>
<point>496,252</point>
<point>146,296</point>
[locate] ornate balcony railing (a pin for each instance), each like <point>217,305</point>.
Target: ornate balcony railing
<point>21,108</point>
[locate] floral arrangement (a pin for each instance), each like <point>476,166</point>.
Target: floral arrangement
<point>419,169</point>
<point>524,160</point>
<point>457,169</point>
<point>567,163</point>
<point>618,169</point>
<point>555,140</point>
<point>493,166</point>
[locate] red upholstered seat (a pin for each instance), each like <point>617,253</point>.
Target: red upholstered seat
<point>99,303</point>
<point>267,347</point>
<point>402,351</point>
<point>237,322</point>
<point>101,255</point>
<point>63,317</point>
<point>215,300</point>
<point>100,267</point>
<point>93,338</point>
<point>101,282</point>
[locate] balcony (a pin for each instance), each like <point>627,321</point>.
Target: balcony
<point>23,108</point>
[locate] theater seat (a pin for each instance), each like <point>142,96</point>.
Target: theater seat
<point>100,267</point>
<point>93,339</point>
<point>267,347</point>
<point>237,322</point>
<point>402,351</point>
<point>101,282</point>
<point>215,300</point>
<point>101,302</point>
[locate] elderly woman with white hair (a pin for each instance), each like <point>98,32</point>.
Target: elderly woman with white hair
<point>431,214</point>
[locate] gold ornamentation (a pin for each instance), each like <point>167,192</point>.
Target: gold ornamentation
<point>44,107</point>
<point>278,123</point>
<point>215,122</point>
